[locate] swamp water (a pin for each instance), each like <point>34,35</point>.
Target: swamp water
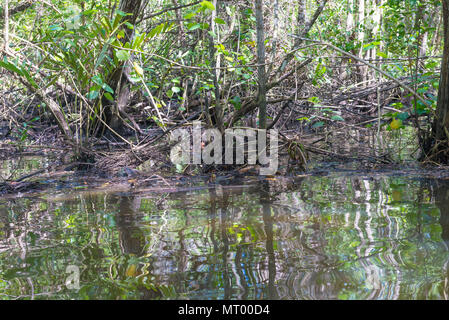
<point>340,236</point>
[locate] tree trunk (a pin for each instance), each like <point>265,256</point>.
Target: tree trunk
<point>262,92</point>
<point>361,38</point>
<point>350,20</point>
<point>437,148</point>
<point>118,81</point>
<point>377,30</point>
<point>301,29</point>
<point>217,112</point>
<point>301,17</point>
<point>436,35</point>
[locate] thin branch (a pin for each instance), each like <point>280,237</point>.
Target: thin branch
<point>167,10</point>
<point>303,33</point>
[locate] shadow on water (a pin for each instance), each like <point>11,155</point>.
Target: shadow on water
<point>332,237</point>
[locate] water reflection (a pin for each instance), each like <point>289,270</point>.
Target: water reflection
<point>317,238</point>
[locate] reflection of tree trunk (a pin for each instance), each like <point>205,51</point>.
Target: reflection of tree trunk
<point>183,258</point>
<point>132,239</point>
<point>268,226</point>
<point>227,285</point>
<point>213,223</point>
<point>239,265</point>
<point>131,236</point>
<point>441,193</point>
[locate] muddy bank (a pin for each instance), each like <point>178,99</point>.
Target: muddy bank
<point>40,175</point>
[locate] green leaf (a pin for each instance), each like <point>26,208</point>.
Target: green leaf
<point>371,45</point>
<point>190,15</point>
<point>207,5</point>
<point>179,168</point>
<point>318,124</point>
<point>138,69</point>
<point>354,244</point>
<point>314,100</point>
<point>138,41</point>
<point>121,13</point>
<point>109,96</point>
<point>176,89</point>
<point>92,95</point>
<point>431,64</point>
<point>97,79</point>
<point>219,21</point>
<point>89,12</point>
<point>122,55</point>
<point>29,78</point>
<point>236,101</point>
<point>103,54</point>
<point>55,27</point>
<point>382,54</point>
<point>403,116</point>
<point>194,27</point>
<point>11,67</point>
<point>107,88</point>
<point>337,118</point>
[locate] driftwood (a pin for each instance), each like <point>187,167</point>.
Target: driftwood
<point>374,89</point>
<point>7,188</point>
<point>385,74</point>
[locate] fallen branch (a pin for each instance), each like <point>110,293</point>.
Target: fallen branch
<point>400,83</point>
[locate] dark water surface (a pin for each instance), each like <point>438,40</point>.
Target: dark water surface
<point>323,237</point>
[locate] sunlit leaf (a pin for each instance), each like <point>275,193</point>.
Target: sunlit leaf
<point>207,5</point>
<point>122,55</point>
<point>107,88</point>
<point>219,21</point>
<point>138,69</point>
<point>396,124</point>
<point>109,96</point>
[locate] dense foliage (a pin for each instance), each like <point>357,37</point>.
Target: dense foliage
<point>95,68</point>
